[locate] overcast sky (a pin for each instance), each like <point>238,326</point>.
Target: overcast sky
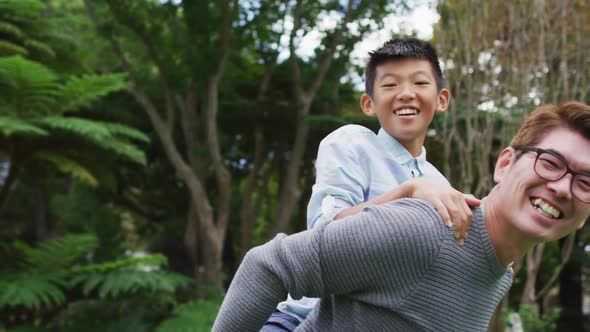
<point>420,20</point>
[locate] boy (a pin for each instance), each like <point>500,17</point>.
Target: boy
<point>356,168</point>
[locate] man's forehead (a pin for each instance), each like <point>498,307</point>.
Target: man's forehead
<point>569,145</point>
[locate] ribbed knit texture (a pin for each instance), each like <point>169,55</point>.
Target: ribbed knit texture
<point>393,267</point>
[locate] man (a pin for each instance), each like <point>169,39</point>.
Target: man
<point>396,267</point>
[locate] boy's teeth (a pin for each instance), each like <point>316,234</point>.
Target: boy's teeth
<point>546,209</point>
<point>406,111</point>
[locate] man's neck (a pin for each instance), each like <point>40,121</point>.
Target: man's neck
<point>508,242</point>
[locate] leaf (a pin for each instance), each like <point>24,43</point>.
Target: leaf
<point>79,92</point>
<point>28,88</point>
<point>10,126</point>
<point>31,291</point>
<point>70,167</point>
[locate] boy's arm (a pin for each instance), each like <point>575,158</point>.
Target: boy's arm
<point>453,206</point>
<point>341,180</point>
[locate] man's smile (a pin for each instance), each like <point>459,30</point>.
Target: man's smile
<point>546,208</point>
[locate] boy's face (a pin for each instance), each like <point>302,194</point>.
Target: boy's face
<point>405,99</point>
<point>540,209</point>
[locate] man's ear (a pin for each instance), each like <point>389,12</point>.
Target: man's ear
<point>443,100</point>
<point>367,105</point>
<point>504,161</point>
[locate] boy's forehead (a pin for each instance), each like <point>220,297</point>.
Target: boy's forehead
<point>395,67</point>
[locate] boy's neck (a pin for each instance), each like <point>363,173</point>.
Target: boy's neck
<point>414,147</point>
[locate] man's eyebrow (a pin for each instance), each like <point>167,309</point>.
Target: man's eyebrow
<point>557,153</point>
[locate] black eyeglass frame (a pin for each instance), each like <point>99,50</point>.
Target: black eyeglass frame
<point>568,170</point>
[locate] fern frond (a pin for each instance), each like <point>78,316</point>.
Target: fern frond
<point>153,260</point>
<point>10,126</point>
<point>40,47</point>
<point>126,150</point>
<point>7,48</point>
<point>127,282</point>
<point>28,87</point>
<point>70,167</point>
<point>9,29</point>
<point>21,10</point>
<point>118,129</point>
<point>60,253</point>
<point>95,132</point>
<point>78,92</point>
<point>90,130</point>
<point>31,291</point>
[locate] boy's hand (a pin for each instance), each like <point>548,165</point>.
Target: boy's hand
<point>452,204</point>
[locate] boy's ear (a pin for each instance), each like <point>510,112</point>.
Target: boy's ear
<point>443,100</point>
<point>367,105</point>
<point>505,159</point>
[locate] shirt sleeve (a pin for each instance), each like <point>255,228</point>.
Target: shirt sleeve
<point>367,254</point>
<point>341,180</point>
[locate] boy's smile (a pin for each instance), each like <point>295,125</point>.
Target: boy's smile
<point>405,98</point>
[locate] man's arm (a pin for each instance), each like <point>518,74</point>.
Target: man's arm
<point>364,255</point>
<point>451,204</point>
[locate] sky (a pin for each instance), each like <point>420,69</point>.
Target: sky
<point>420,20</point>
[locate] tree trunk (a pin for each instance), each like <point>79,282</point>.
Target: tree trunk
<point>571,292</point>
<point>41,211</point>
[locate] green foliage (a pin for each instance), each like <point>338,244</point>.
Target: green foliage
<point>133,275</point>
<point>25,29</point>
<point>70,167</point>
<point>41,275</point>
<point>531,320</point>
<point>80,92</point>
<point>44,277</point>
<point>28,88</point>
<point>35,109</point>
<point>194,316</point>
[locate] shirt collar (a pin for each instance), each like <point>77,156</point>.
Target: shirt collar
<point>397,150</point>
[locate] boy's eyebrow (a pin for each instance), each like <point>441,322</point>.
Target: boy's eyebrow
<point>417,72</point>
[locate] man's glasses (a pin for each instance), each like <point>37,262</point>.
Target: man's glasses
<point>553,167</point>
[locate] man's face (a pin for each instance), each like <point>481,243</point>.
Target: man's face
<point>541,209</point>
<point>405,99</point>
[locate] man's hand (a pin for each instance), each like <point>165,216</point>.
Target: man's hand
<point>452,204</point>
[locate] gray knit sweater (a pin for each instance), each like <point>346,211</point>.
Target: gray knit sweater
<point>393,267</point>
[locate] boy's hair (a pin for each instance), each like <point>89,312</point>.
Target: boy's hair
<point>402,48</point>
<point>573,115</point>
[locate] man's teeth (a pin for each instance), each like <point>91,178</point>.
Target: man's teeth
<point>545,208</point>
<point>406,111</point>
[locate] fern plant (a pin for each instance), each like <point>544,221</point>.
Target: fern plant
<point>37,120</point>
<point>45,277</point>
<point>23,28</point>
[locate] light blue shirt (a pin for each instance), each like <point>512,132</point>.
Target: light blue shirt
<point>353,166</point>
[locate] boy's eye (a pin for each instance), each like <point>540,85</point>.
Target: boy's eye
<point>422,83</point>
<point>388,85</point>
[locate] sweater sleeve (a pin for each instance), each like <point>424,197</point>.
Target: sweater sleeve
<point>364,254</point>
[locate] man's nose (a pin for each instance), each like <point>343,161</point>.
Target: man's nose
<point>562,187</point>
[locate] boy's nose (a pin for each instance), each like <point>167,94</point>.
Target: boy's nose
<point>407,93</point>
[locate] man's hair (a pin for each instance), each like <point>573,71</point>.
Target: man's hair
<point>573,115</point>
<point>398,49</point>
